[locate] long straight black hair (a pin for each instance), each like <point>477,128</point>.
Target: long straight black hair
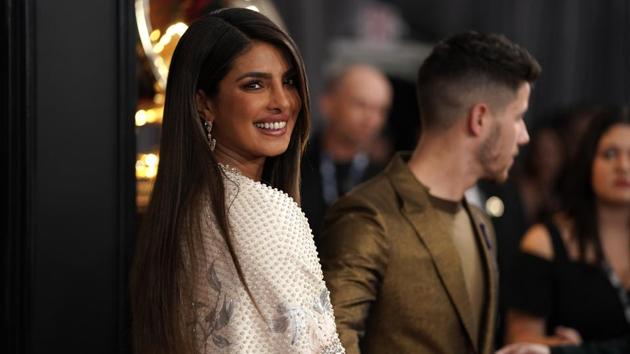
<point>579,200</point>
<point>189,176</point>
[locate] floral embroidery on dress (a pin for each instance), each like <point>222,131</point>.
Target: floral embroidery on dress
<point>322,304</point>
<point>292,319</point>
<point>210,319</point>
<point>297,322</point>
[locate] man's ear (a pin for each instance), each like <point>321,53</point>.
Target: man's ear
<point>204,106</point>
<point>478,118</point>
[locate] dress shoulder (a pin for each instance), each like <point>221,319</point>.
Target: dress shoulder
<point>246,195</point>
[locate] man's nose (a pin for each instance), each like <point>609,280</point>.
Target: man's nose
<point>524,134</point>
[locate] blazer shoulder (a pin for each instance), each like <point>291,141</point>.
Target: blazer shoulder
<point>377,192</point>
<point>366,206</point>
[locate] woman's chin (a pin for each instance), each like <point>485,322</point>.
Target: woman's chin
<point>273,150</point>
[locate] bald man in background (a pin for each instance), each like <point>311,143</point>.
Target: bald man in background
<point>354,107</point>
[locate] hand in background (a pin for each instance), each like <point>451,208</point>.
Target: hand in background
<point>524,348</point>
<point>568,336</point>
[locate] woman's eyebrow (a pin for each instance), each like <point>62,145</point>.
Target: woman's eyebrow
<point>255,74</point>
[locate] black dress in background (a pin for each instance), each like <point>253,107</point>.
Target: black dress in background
<point>567,293</point>
<point>613,346</point>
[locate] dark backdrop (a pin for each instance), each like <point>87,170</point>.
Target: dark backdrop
<point>68,157</point>
<point>582,45</point>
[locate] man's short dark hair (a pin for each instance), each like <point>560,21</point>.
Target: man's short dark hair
<point>467,64</point>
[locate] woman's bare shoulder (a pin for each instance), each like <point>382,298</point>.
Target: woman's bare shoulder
<point>537,241</point>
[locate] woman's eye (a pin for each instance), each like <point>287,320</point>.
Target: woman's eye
<point>609,154</point>
<point>253,85</point>
<point>290,81</point>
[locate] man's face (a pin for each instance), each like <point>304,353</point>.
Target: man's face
<point>508,132</point>
<point>357,108</point>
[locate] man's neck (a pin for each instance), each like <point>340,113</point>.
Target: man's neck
<point>339,150</point>
<point>444,167</point>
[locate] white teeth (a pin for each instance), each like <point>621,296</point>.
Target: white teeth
<point>271,126</point>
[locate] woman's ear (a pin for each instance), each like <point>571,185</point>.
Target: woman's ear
<point>204,106</point>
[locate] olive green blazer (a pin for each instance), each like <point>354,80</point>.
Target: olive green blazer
<point>396,281</point>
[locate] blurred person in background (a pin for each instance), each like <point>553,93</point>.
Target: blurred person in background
<point>573,274</point>
<point>573,124</point>
<point>354,107</point>
<point>537,181</point>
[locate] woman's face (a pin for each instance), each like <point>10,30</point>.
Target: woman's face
<point>611,166</point>
<point>257,105</point>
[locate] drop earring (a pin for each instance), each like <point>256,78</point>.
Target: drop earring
<point>212,141</point>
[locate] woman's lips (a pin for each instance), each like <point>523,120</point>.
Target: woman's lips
<point>277,125</point>
<point>622,183</point>
<point>276,128</point>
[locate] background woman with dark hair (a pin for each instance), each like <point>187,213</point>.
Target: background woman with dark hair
<point>574,271</point>
<point>226,261</point>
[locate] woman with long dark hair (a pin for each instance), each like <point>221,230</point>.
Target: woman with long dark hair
<point>574,272</point>
<point>225,261</point>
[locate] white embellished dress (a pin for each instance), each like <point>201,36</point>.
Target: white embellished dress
<point>287,309</point>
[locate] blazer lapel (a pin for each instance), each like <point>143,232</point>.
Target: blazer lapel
<point>486,242</point>
<point>437,239</point>
<point>435,236</point>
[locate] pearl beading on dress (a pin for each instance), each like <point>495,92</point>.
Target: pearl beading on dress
<point>274,245</point>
